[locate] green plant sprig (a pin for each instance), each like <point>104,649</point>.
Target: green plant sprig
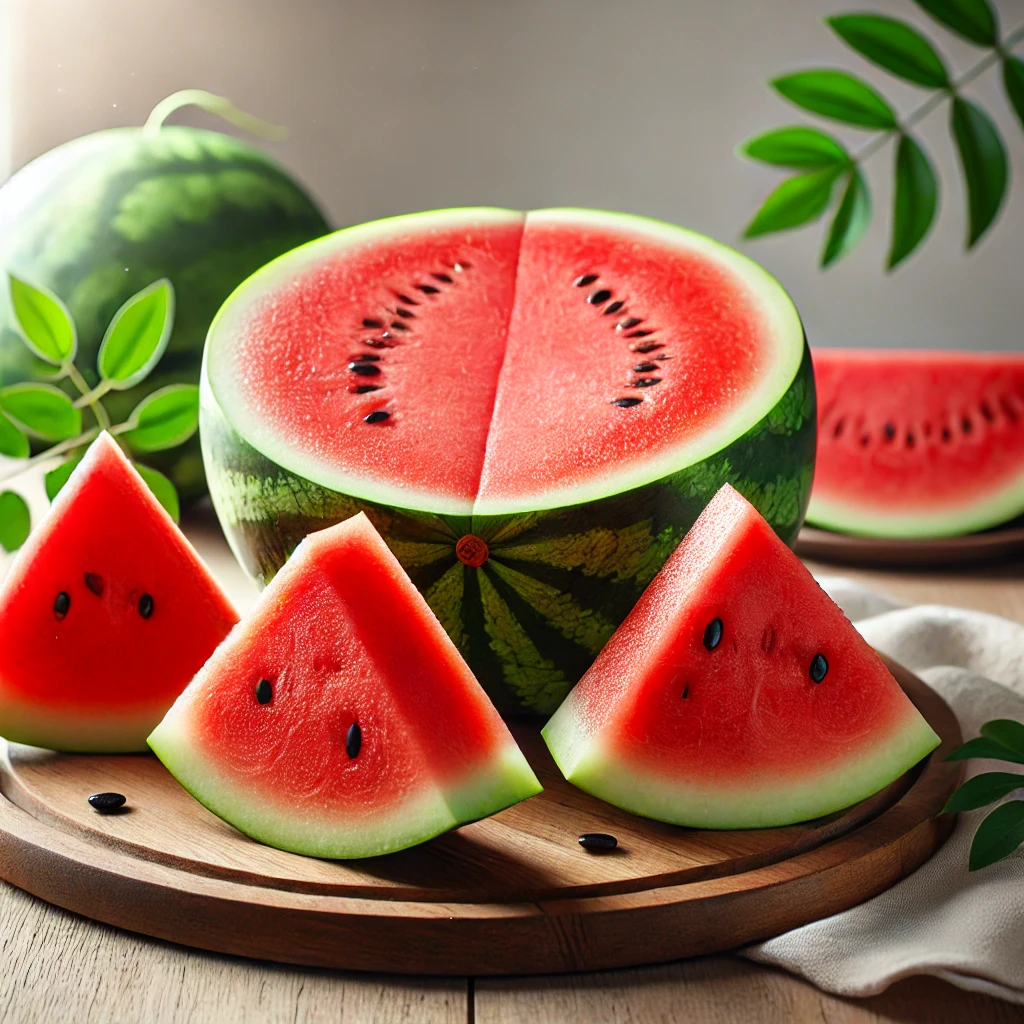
<point>132,346</point>
<point>823,161</point>
<point>1002,830</point>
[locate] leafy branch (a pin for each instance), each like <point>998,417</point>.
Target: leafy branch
<point>133,344</point>
<point>825,163</point>
<point>1002,830</point>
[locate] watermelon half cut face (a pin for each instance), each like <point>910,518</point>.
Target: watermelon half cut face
<point>918,444</point>
<point>338,719</point>
<point>531,408</point>
<point>736,694</point>
<point>106,614</point>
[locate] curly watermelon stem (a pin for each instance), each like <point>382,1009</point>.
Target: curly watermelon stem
<point>76,378</point>
<point>218,105</point>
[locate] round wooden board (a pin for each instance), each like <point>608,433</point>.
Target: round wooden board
<point>828,546</point>
<point>512,894</point>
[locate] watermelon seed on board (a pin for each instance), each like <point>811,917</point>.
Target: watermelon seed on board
<point>595,842</point>
<point>107,803</point>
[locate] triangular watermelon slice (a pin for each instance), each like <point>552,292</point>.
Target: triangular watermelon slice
<point>339,720</point>
<point>105,616</point>
<point>736,694</point>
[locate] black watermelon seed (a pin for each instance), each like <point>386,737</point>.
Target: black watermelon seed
<point>427,289</point>
<point>630,321</point>
<point>365,369</point>
<point>106,802</point>
<point>377,416</point>
<point>595,841</point>
<point>398,325</point>
<point>407,300</point>
<point>599,297</point>
<point>146,605</point>
<point>967,425</point>
<point>613,307</point>
<point>375,343</point>
<point>353,740</point>
<point>407,313</point>
<point>365,357</point>
<point>647,346</point>
<point>264,691</point>
<point>646,382</point>
<point>61,604</point>
<point>364,389</point>
<point>373,323</point>
<point>442,277</point>
<point>627,403</point>
<point>890,431</point>
<point>686,692</point>
<point>645,367</point>
<point>639,334</point>
<point>713,634</point>
<point>582,282</point>
<point>819,668</point>
<point>94,581</point>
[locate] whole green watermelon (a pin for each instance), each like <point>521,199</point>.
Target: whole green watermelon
<point>102,216</point>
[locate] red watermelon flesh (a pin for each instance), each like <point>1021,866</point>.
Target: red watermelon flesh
<point>339,720</point>
<point>918,444</point>
<point>475,361</point>
<point>106,614</point>
<point>736,694</point>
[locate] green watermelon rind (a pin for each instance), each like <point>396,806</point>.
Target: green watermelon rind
<point>760,802</point>
<point>772,381</point>
<point>505,780</point>
<point>861,519</point>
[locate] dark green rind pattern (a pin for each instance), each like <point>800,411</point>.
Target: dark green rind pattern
<point>105,215</point>
<point>531,619</point>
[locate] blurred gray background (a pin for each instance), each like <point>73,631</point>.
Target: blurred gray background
<point>398,105</point>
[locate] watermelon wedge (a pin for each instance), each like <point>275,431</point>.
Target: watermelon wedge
<point>532,409</point>
<point>918,444</point>
<point>106,614</point>
<point>338,720</point>
<point>736,694</point>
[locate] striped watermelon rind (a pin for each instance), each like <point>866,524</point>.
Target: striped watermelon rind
<point>101,217</point>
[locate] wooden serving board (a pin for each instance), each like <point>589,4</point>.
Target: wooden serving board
<point>512,894</point>
<point>972,548</point>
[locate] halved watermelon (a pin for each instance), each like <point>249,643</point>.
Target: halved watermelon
<point>736,694</point>
<point>106,614</point>
<point>918,444</point>
<point>339,720</point>
<point>531,408</point>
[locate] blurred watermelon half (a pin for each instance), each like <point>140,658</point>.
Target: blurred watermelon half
<point>100,217</point>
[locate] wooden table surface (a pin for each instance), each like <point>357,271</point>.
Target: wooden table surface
<point>55,966</point>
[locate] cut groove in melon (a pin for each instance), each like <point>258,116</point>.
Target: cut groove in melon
<point>370,733</point>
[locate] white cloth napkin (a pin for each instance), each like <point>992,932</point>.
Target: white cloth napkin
<point>965,927</point>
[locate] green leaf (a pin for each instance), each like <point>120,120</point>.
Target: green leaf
<point>983,789</point>
<point>984,747</point>
<point>998,835</point>
<point>43,410</point>
<point>162,488</point>
<point>13,443</point>
<point>45,322</point>
<point>839,95</point>
<point>15,521</point>
<point>798,200</point>
<point>973,19</point>
<point>798,147</point>
<point>983,160</point>
<point>137,336</point>
<point>894,45</point>
<point>164,419</point>
<point>1013,82</point>
<point>915,200</point>
<point>57,477</point>
<point>851,219</point>
<point>1006,732</point>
